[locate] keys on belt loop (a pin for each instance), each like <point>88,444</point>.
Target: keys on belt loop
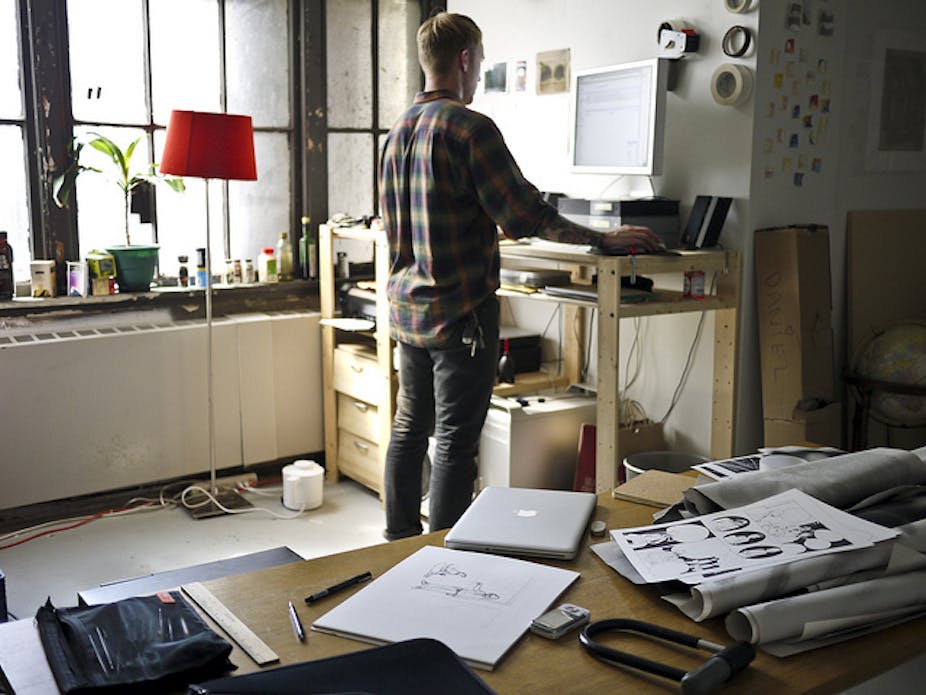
<point>472,334</point>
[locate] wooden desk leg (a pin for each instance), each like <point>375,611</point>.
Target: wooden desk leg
<point>726,357</point>
<point>609,304</point>
<point>327,305</point>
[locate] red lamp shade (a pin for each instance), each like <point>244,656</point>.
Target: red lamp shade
<point>209,146</point>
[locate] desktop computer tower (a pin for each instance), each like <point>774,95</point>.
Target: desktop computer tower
<point>533,442</point>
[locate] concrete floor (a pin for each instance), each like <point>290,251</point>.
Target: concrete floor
<point>122,547</point>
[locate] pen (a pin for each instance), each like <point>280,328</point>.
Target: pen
<point>337,587</point>
<point>297,624</point>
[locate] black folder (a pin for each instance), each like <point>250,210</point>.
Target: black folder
<point>420,666</point>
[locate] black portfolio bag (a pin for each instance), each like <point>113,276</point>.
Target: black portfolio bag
<point>147,644</point>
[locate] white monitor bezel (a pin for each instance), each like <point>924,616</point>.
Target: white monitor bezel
<point>657,107</point>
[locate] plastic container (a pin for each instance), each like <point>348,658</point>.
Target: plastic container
<point>303,485</point>
<point>267,265</point>
<point>669,461</point>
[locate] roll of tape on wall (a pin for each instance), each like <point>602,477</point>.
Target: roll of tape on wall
<point>738,6</point>
<point>731,84</point>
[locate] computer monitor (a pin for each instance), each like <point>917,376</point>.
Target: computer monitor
<point>618,118</point>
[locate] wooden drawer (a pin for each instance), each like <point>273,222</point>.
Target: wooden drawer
<point>358,458</point>
<point>357,374</point>
<point>358,417</point>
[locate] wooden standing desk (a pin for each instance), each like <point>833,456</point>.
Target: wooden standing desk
<point>537,665</point>
<point>723,301</point>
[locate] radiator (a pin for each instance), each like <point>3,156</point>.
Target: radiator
<point>88,410</point>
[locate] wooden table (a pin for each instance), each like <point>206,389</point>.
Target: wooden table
<point>537,665</point>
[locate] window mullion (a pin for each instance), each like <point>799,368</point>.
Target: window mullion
<point>49,128</point>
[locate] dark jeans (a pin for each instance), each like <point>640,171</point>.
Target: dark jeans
<point>445,391</point>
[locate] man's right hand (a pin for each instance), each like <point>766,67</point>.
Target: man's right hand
<point>633,238</point>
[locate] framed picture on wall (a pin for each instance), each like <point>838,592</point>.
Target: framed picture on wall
<point>897,109</point>
<point>553,71</point>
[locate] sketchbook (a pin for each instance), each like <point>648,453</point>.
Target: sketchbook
<point>479,605</point>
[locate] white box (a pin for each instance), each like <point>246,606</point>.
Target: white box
<point>534,445</point>
<point>44,283</point>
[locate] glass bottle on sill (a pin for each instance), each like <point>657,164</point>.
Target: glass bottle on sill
<point>284,257</point>
<point>183,275</point>
<point>7,286</point>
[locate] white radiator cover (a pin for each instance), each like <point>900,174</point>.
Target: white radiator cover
<point>89,411</point>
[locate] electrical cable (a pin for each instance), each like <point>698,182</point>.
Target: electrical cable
<point>634,350</point>
<point>689,362</point>
<point>210,498</point>
<point>81,522</point>
<point>613,181</point>
<point>147,504</point>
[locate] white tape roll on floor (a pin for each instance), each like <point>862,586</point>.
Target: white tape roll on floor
<point>731,84</point>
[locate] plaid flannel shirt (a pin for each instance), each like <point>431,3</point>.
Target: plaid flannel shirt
<point>447,183</point>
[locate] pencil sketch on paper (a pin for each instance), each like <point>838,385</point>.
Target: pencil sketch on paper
<point>449,580</point>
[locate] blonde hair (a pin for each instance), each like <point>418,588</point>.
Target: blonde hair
<point>441,38</point>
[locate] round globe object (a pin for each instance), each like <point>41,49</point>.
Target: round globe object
<point>898,355</point>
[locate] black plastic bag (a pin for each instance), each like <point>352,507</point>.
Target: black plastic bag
<point>145,644</point>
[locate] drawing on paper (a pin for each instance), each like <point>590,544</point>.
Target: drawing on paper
<point>769,532</point>
<point>447,579</point>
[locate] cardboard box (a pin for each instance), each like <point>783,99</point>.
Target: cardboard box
<point>641,437</point>
<point>822,426</point>
<point>793,293</point>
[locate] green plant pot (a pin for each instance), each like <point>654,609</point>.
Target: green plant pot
<point>135,266</point>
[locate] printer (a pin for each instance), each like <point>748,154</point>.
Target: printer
<point>659,214</point>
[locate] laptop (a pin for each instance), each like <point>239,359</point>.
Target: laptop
<point>524,521</point>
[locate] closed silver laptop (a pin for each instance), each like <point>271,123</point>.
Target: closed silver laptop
<point>524,522</point>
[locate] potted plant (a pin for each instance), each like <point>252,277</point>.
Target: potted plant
<point>135,263</point>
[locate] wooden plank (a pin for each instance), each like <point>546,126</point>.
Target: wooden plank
<point>609,313</point>
<point>726,363</point>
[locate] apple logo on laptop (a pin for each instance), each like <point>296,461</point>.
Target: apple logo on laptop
<point>525,512</point>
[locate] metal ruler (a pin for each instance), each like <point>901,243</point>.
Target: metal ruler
<point>255,647</point>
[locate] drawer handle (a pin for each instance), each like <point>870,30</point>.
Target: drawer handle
<point>357,368</point>
<point>360,445</point>
<point>361,406</point>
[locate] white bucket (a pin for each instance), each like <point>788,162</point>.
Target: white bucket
<point>669,461</point>
<point>303,483</point>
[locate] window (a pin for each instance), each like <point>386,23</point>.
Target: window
<point>14,212</point>
<point>233,56</point>
<point>119,67</point>
<point>373,76</point>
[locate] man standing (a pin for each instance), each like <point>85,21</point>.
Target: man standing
<point>448,183</point>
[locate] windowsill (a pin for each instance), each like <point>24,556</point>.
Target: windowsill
<point>227,299</point>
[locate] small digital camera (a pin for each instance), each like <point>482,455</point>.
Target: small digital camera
<point>556,622</point>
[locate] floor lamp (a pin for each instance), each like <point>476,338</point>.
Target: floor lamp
<point>210,146</point>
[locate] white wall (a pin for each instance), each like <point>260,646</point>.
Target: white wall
<point>714,149</point>
<point>707,151</point>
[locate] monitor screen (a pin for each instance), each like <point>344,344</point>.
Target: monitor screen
<point>618,118</point>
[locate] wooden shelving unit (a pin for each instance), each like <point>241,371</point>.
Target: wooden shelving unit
<point>357,370</point>
<point>724,301</point>
<point>361,382</point>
